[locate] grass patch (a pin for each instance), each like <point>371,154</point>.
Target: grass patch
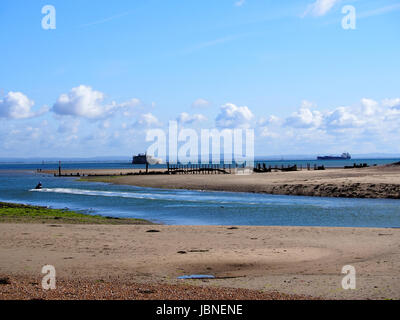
<point>20,213</point>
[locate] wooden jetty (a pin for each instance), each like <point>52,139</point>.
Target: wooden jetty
<point>202,169</point>
<point>198,169</point>
<point>263,168</point>
<point>355,165</point>
<point>171,169</point>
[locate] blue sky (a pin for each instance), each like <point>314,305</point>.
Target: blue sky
<point>111,70</point>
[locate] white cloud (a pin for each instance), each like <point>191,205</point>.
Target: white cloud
<point>16,105</point>
<point>267,133</point>
<point>305,117</point>
<point>342,117</point>
<point>320,7</point>
<point>131,107</point>
<point>307,104</point>
<point>132,103</point>
<point>370,107</point>
<point>339,118</point>
<point>270,120</point>
<point>368,126</point>
<point>147,120</point>
<point>240,3</point>
<point>87,103</point>
<point>200,103</point>
<point>392,103</point>
<point>82,101</point>
<point>33,133</point>
<point>379,11</point>
<point>69,126</point>
<point>393,109</point>
<point>232,116</point>
<point>273,119</point>
<point>105,124</point>
<point>185,118</point>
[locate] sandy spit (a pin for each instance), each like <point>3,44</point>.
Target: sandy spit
<point>373,182</point>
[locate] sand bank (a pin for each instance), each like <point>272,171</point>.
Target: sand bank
<point>373,182</point>
<point>289,260</point>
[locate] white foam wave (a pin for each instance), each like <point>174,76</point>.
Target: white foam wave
<point>138,195</point>
<point>96,193</point>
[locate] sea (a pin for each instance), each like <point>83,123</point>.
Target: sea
<point>188,207</point>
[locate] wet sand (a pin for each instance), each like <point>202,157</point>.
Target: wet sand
<point>373,182</point>
<point>289,260</point>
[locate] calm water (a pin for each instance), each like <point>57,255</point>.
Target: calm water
<point>196,207</point>
<point>127,165</point>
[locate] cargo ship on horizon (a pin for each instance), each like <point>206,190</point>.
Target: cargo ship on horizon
<point>344,156</point>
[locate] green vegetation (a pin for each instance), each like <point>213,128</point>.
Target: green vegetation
<point>19,213</point>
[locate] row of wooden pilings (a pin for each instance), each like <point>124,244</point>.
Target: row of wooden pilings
<point>263,168</point>
<point>201,168</point>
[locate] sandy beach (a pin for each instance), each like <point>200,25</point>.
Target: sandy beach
<point>372,182</point>
<point>145,261</point>
<point>300,261</point>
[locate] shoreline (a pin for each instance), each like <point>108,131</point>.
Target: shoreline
<point>368,191</point>
<point>381,182</point>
